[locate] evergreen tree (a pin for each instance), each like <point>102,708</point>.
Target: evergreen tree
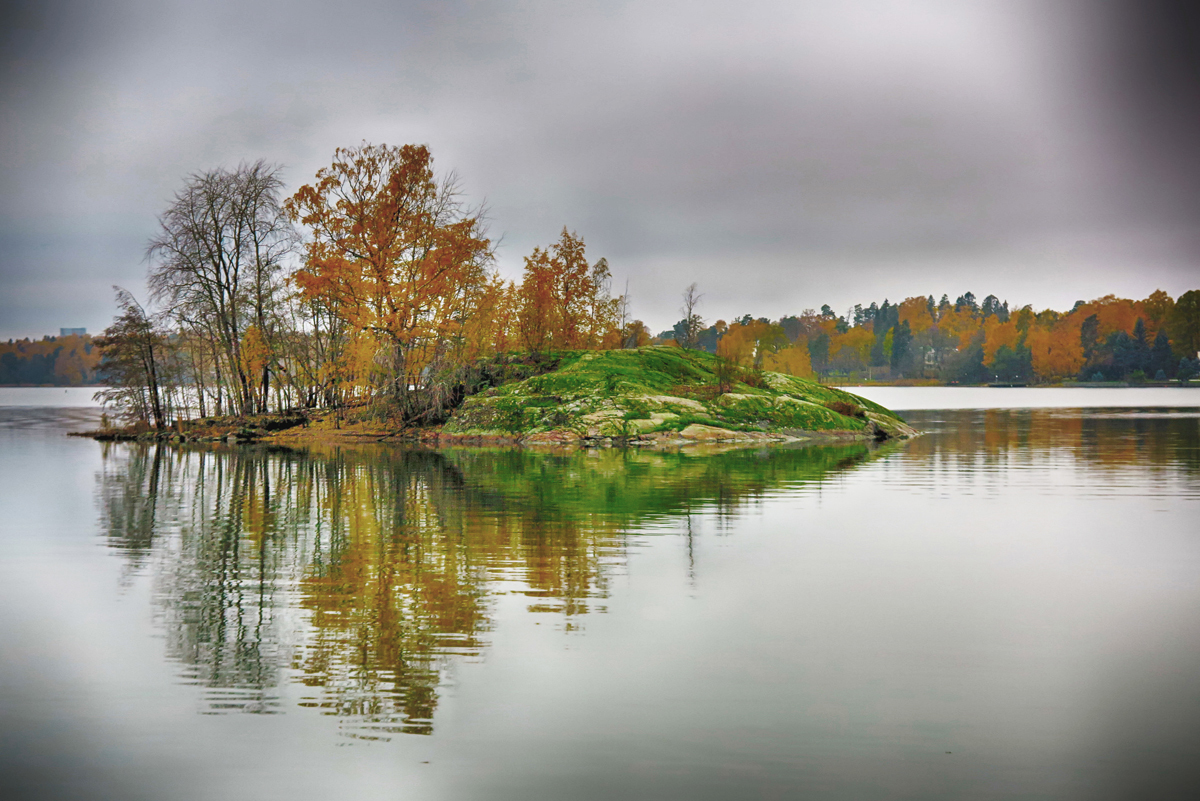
<point>1089,333</point>
<point>991,305</point>
<point>1185,324</point>
<point>1012,365</point>
<point>1141,348</point>
<point>818,352</point>
<point>1187,369</point>
<point>1161,359</point>
<point>901,342</point>
<point>966,366</point>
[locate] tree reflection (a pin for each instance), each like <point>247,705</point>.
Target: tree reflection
<point>362,574</point>
<point>1145,442</point>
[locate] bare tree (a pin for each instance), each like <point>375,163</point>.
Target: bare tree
<point>691,324</point>
<point>217,266</point>
<point>132,363</point>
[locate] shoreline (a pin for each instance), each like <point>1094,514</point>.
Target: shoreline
<point>316,430</point>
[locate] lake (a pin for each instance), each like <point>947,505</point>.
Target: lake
<point>1007,606</point>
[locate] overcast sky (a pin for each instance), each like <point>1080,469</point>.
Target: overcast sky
<point>780,154</point>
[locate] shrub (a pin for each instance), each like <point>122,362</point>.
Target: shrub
<point>846,409</point>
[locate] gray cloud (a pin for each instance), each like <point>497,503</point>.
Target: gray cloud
<point>784,155</point>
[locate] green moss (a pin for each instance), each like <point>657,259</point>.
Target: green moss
<point>625,392</point>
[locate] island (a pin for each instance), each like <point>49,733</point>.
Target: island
<point>652,396</point>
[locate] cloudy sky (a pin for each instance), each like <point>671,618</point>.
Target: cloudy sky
<point>780,154</point>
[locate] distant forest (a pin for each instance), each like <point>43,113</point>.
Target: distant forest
<point>69,361</point>
<point>972,342</point>
<point>964,341</point>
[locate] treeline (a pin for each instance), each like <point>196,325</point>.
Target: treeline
<point>965,341</point>
<point>69,361</point>
<point>373,283</point>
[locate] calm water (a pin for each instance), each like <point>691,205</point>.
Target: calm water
<point>1006,607</point>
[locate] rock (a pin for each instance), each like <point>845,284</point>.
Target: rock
<point>703,433</point>
<point>560,437</point>
<point>874,432</point>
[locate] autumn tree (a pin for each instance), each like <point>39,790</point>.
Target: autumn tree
<point>634,334</point>
<point>398,257</point>
<point>565,303</point>
<point>1056,350</point>
<point>792,359</point>
<point>747,343</point>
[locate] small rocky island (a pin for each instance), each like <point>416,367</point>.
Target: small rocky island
<point>649,396</point>
<point>665,396</point>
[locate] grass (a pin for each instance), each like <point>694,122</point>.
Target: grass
<point>623,393</point>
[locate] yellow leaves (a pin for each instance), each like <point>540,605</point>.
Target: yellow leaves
<point>792,360</point>
<point>1056,350</point>
<point>358,363</point>
<point>747,344</point>
<point>635,335</point>
<point>739,345</point>
<point>856,340</point>
<point>997,335</point>
<point>915,312</point>
<point>254,354</point>
<point>960,325</point>
<point>1112,313</point>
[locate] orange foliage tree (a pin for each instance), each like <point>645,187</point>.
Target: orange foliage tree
<point>1056,350</point>
<point>853,345</point>
<point>748,344</point>
<point>997,335</point>
<point>915,312</point>
<point>792,359</point>
<point>960,325</point>
<point>396,255</point>
<point>564,303</point>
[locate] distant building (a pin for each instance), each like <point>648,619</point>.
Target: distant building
<point>70,332</point>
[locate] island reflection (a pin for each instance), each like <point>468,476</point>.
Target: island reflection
<point>363,573</point>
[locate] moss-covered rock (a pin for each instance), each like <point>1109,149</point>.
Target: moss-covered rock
<point>664,395</point>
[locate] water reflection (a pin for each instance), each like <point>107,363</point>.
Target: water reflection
<point>362,574</point>
<point>1143,452</point>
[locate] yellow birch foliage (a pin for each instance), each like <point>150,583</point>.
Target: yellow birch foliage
<point>915,312</point>
<point>961,325</point>
<point>737,345</point>
<point>857,340</point>
<point>748,345</point>
<point>792,360</point>
<point>996,335</point>
<point>254,353</point>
